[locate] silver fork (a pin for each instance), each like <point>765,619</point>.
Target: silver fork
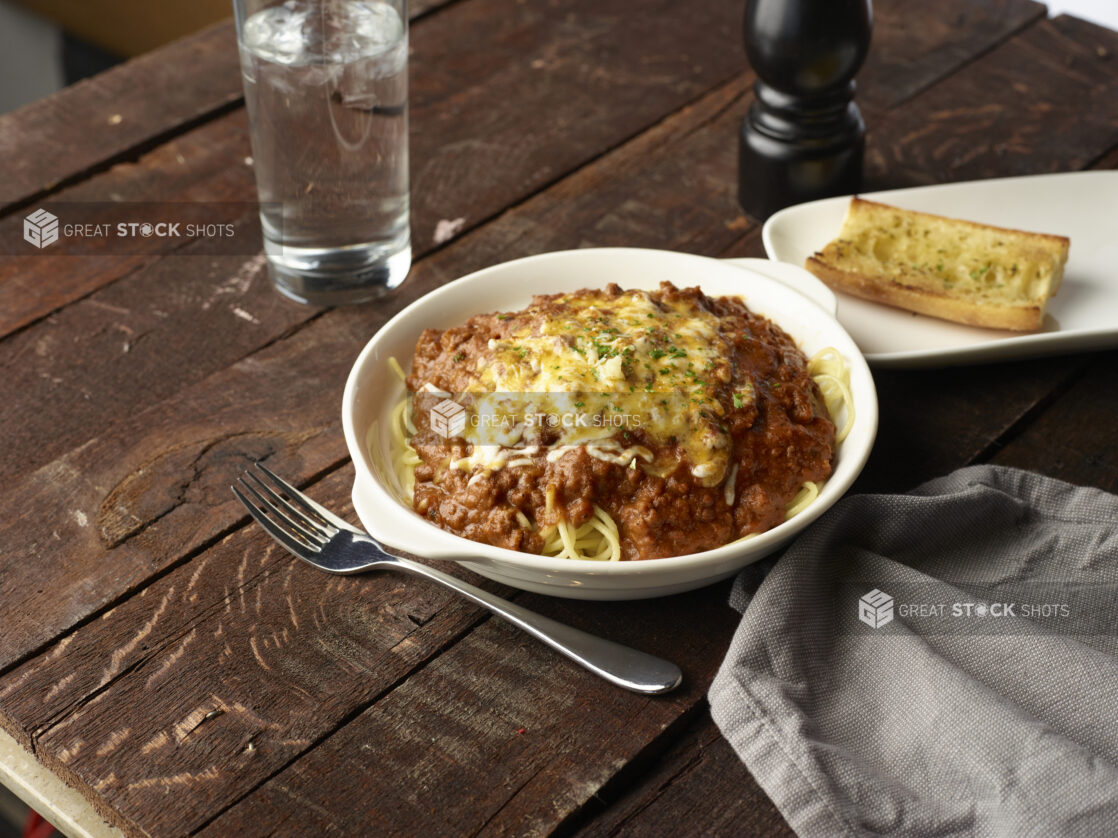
<point>322,539</point>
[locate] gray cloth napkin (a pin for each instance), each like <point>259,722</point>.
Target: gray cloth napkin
<point>938,663</point>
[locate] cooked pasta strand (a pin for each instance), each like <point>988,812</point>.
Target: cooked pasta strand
<point>598,538</point>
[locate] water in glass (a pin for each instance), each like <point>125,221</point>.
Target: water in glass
<point>326,92</point>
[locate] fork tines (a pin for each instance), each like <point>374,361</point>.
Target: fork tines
<point>300,530</point>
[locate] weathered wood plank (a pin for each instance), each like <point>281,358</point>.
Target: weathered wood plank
<point>494,706</point>
<point>157,488</point>
<point>973,408</point>
<point>463,176</point>
<point>697,787</point>
<point>232,665</point>
<point>201,165</point>
<point>1041,102</point>
<point>106,117</point>
<point>121,112</point>
<point>910,51</point>
<point>584,74</point>
<point>1074,438</point>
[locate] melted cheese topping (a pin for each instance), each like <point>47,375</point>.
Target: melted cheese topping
<point>589,367</point>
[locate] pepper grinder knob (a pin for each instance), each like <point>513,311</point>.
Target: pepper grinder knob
<point>804,137</point>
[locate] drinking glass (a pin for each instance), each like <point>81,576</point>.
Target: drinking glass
<point>326,89</point>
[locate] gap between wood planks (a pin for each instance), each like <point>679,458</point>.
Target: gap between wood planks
<point>427,251</point>
<point>1039,15</point>
<point>129,155</point>
<point>1107,160</point>
<point>635,770</point>
<point>1081,366</point>
<point>128,593</point>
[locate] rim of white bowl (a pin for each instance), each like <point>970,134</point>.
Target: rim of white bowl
<point>865,423</point>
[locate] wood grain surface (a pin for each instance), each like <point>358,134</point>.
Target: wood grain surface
<point>1040,102</point>
<point>103,119</point>
<point>174,666</point>
<point>115,116</point>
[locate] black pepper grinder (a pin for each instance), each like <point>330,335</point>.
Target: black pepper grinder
<point>804,137</point>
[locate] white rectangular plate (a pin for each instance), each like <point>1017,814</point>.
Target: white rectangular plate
<point>1084,314</point>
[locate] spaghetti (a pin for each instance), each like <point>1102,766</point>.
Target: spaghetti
<point>516,477</point>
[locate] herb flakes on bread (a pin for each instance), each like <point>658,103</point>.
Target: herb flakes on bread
<point>943,267</point>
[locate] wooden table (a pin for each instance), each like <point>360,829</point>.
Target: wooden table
<point>160,656</point>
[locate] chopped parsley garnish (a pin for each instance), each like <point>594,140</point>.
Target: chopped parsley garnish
<point>605,350</point>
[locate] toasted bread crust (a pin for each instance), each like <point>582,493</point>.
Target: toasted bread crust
<point>936,265</point>
<point>880,289</point>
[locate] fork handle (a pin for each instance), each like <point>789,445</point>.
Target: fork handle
<point>620,665</point>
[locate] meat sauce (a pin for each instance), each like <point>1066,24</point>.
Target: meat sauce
<point>737,424</point>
